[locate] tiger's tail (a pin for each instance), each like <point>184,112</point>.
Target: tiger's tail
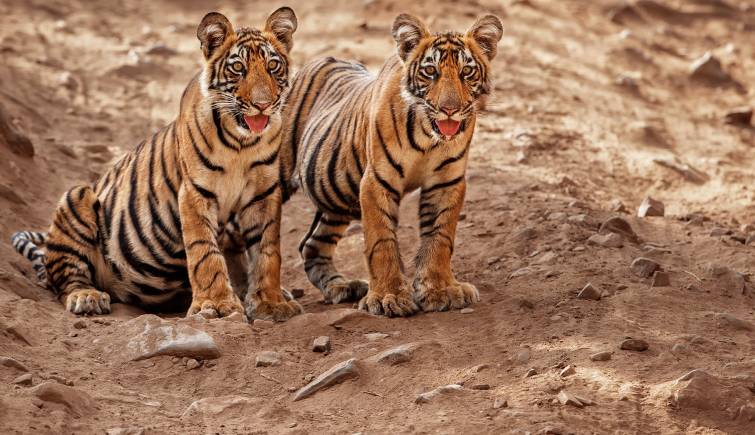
<point>28,244</point>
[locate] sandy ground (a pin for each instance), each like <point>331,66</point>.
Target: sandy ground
<point>593,100</point>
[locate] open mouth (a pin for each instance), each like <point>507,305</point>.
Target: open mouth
<point>448,127</point>
<point>256,123</point>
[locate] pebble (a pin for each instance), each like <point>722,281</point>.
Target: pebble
<point>192,364</point>
<point>567,371</point>
<point>679,348</point>
<point>338,373</point>
<point>720,232</point>
<point>601,356</point>
<point>297,293</point>
<point>617,206</point>
<point>708,68</point>
<point>6,361</point>
<point>651,207</point>
<point>236,317</point>
<point>607,240</point>
<point>80,324</point>
<point>661,279</point>
<point>267,359</point>
<point>466,310</point>
<point>521,272</point>
<point>634,344</point>
<point>739,116</point>
<point>374,336</point>
<point>547,258</point>
<point>430,395</point>
<point>620,226</point>
<point>131,430</point>
<point>589,292</point>
<point>396,355</point>
<point>26,380</point>
<point>523,355</point>
<point>644,267</point>
<point>321,344</point>
<point>61,380</point>
<point>567,398</point>
<point>480,387</point>
<point>726,319</point>
<point>530,373</point>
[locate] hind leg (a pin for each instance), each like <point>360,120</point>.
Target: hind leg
<point>317,249</point>
<point>73,252</point>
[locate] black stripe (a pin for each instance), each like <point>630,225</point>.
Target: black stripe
<point>220,132</point>
<point>397,166</point>
<point>205,161</point>
<point>453,159</point>
<point>259,197</point>
<point>266,161</point>
<point>206,194</point>
<point>443,185</point>
<point>387,186</point>
<point>312,226</point>
<point>410,118</point>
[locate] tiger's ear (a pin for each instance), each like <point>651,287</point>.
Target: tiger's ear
<point>213,32</point>
<point>408,31</point>
<point>486,32</point>
<point>283,23</point>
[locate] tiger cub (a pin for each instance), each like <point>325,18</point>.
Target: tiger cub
<point>147,232</point>
<point>357,143</point>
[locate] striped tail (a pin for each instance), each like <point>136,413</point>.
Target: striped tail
<point>27,243</point>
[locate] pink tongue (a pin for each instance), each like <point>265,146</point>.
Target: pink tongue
<point>256,123</point>
<point>448,127</point>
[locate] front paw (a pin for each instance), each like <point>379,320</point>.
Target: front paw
<point>345,291</point>
<point>216,307</point>
<point>397,303</point>
<point>442,296</point>
<point>278,310</point>
<point>88,302</point>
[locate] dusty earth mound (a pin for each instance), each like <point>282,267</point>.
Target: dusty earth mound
<point>597,106</point>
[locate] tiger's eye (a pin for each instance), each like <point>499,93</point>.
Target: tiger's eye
<point>467,70</point>
<point>237,67</point>
<point>429,70</point>
<point>273,65</point>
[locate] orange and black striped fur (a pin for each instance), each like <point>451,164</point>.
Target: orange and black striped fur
<point>357,143</point>
<point>147,231</point>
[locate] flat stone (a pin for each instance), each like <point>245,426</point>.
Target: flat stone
<point>61,380</point>
<point>720,232</point>
<point>644,267</point>
<point>530,373</point>
<point>634,344</point>
<point>267,359</point>
<point>708,68</point>
<point>521,272</point>
<point>729,320</point>
<point>224,406</point>
<point>589,292</point>
<point>131,430</point>
<point>321,344</point>
<point>660,279</point>
<point>601,356</point>
<point>76,401</point>
<point>26,380</point>
<point>338,373</point>
<point>374,336</point>
<point>466,311</point>
<point>430,395</point>
<point>739,116</point>
<point>547,258</point>
<point>235,317</point>
<point>567,371</point>
<point>566,398</point>
<point>481,387</point>
<point>651,207</point>
<point>620,226</point>
<point>396,355</point>
<point>523,355</point>
<point>500,402</point>
<point>608,240</point>
<point>6,361</point>
<point>149,336</point>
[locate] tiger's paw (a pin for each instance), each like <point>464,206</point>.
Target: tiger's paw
<point>345,291</point>
<point>222,307</point>
<point>259,307</point>
<point>391,304</point>
<point>434,296</point>
<point>89,301</point>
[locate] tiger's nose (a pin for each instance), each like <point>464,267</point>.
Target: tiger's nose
<point>449,110</point>
<point>261,105</point>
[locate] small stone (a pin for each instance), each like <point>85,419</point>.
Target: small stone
<point>650,207</point>
<point>210,363</point>
<point>660,279</point>
<point>26,380</point>
<point>80,324</point>
<point>589,292</point>
<point>297,293</point>
<point>480,387</point>
<point>644,267</point>
<point>374,336</point>
<point>192,364</point>
<point>739,116</point>
<point>61,380</point>
<point>267,359</point>
<point>557,216</point>
<point>77,401</point>
<point>609,240</point>
<point>523,355</point>
<point>263,324</point>
<point>525,304</point>
<point>521,272</point>
<point>500,402</point>
<point>601,356</point>
<point>530,373</point>
<point>567,371</point>
<point>634,344</point>
<point>208,313</point>
<point>567,398</point>
<point>726,319</point>
<point>708,68</point>
<point>12,363</point>
<point>617,206</point>
<point>131,430</point>
<point>679,348</point>
<point>338,373</point>
<point>720,232</point>
<point>396,355</point>
<point>430,395</point>
<point>620,226</point>
<point>466,310</point>
<point>321,344</point>
<point>547,258</point>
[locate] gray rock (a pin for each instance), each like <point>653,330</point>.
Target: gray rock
<point>589,292</point>
<point>547,258</point>
<point>6,361</point>
<point>567,371</point>
<point>617,206</point>
<point>321,344</point>
<point>729,320</point>
<point>430,395</point>
<point>608,240</point>
<point>530,373</point>
<point>61,380</point>
<point>650,207</point>
<point>338,373</point>
<point>267,359</point>
<point>567,398</point>
<point>397,355</point>
<point>229,407</point>
<point>192,364</point>
<point>634,344</point>
<point>76,401</point>
<point>466,310</point>
<point>725,280</point>
<point>148,336</point>
<point>523,355</point>
<point>521,272</point>
<point>601,356</point>
<point>500,402</point>
<point>620,226</point>
<point>660,279</point>
<point>644,267</point>
<point>26,380</point>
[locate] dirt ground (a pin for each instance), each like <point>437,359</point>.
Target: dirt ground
<point>594,103</point>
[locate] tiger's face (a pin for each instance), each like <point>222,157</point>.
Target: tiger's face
<point>246,71</point>
<point>446,73</point>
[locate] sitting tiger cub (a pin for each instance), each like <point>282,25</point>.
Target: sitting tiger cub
<point>357,144</point>
<point>147,232</point>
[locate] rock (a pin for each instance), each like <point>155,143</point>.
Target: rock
<point>634,344</point>
<point>609,240</point>
<point>644,267</point>
<point>589,292</point>
<point>525,304</point>
<point>131,430</point>
<point>396,355</point>
<point>267,359</point>
<point>679,349</point>
<point>620,226</point>
<point>61,380</point>
<point>235,317</point>
<point>650,207</point>
<point>227,407</point>
<point>708,68</point>
<point>557,216</point>
<point>530,373</point>
<point>701,391</point>
<point>729,320</point>
<point>78,402</point>
<point>480,387</point>
<point>374,336</point>
<point>6,361</point>
<point>547,258</point>
<point>601,356</point>
<point>750,239</point>
<point>660,279</point>
<point>80,324</point>
<point>13,139</point>
<point>297,293</point>
<point>338,373</point>
<point>720,232</point>
<point>26,380</point>
<point>263,324</point>
<point>430,395</point>
<point>192,364</point>
<point>617,206</point>
<point>567,398</point>
<point>725,280</point>
<point>739,116</point>
<point>684,169</point>
<point>500,402</point>
<point>521,272</point>
<point>321,344</point>
<point>149,336</point>
<point>466,310</point>
<point>523,355</point>
<point>567,371</point>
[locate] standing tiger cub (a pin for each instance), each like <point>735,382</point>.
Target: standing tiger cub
<point>356,144</point>
<point>147,231</point>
